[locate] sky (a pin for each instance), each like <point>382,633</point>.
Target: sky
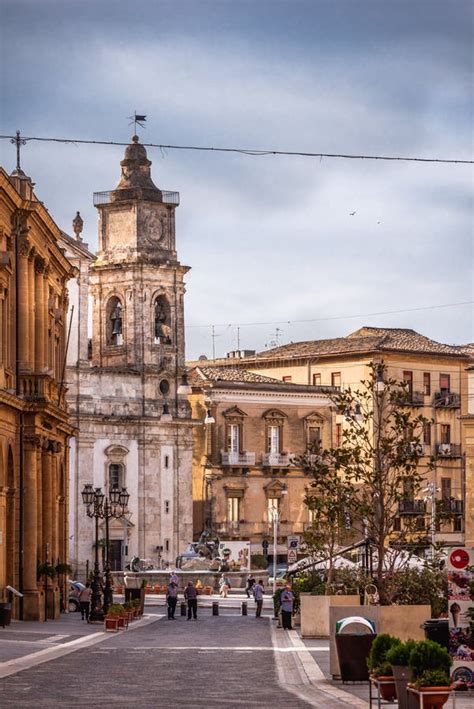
<point>271,240</point>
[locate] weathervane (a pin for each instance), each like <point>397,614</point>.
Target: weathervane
<point>137,120</point>
<point>18,142</point>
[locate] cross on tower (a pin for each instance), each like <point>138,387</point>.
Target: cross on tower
<point>18,141</point>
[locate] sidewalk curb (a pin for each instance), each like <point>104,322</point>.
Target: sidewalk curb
<point>312,686</point>
<point>12,667</point>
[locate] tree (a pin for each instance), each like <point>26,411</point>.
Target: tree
<point>378,461</point>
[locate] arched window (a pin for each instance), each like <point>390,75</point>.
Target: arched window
<point>114,322</point>
<point>161,321</point>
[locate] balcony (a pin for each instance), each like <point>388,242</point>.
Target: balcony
<point>229,529</point>
<point>452,506</point>
<point>237,459</point>
<point>411,507</point>
<point>107,197</point>
<point>446,400</point>
<point>412,398</point>
<point>448,450</point>
<point>41,388</point>
<point>276,460</point>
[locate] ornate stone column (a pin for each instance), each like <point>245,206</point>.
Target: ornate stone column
<point>46,354</point>
<point>47,468</point>
<point>31,605</point>
<point>23,313</point>
<point>31,308</point>
<point>39,316</point>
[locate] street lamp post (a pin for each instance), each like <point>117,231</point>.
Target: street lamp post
<point>98,506</point>
<point>275,520</point>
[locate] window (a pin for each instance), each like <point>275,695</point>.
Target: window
<point>114,324</point>
<point>273,439</point>
<point>115,475</point>
<point>338,435</point>
<point>445,433</point>
<point>446,488</point>
<point>233,438</point>
<point>444,383</point>
<point>167,544</point>
<point>314,437</point>
<point>336,379</point>
<point>427,434</point>
<point>161,321</point>
<point>427,383</point>
<point>317,380</point>
<point>167,461</point>
<point>408,379</point>
<point>397,524</point>
<point>457,524</point>
<point>273,505</point>
<point>287,379</point>
<point>233,508</point>
<point>167,507</point>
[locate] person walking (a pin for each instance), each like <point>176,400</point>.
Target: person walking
<point>190,595</point>
<point>287,600</point>
<point>172,599</point>
<point>249,586</point>
<point>258,592</point>
<point>85,601</point>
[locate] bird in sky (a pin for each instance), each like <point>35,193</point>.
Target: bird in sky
<point>351,214</point>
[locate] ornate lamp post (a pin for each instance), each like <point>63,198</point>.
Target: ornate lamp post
<point>98,506</point>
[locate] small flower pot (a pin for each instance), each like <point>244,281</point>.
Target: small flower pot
<point>386,686</point>
<point>111,624</point>
<point>437,696</point>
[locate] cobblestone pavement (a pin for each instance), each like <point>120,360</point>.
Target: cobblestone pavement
<point>223,661</point>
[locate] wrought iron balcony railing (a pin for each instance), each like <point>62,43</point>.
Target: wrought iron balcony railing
<point>276,460</point>
<point>448,450</point>
<point>106,197</point>
<point>447,400</point>
<point>244,458</point>
<point>411,507</point>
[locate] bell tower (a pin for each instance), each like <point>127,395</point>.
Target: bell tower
<point>136,281</point>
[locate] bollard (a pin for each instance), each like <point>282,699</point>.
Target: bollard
<point>183,607</point>
<point>244,607</point>
<point>215,608</point>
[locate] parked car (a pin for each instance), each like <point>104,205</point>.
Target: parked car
<point>75,588</point>
<point>280,575</point>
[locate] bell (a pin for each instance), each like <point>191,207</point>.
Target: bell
<point>117,328</point>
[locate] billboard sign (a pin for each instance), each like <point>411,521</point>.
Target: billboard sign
<point>460,565</point>
<point>236,555</point>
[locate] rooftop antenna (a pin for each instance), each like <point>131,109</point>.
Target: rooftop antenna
<point>138,119</point>
<point>18,141</point>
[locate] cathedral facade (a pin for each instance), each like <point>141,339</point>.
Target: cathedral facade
<point>134,426</point>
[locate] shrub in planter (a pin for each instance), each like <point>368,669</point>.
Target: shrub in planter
<point>398,657</point>
<point>380,668</point>
<point>433,678</point>
<point>426,656</point>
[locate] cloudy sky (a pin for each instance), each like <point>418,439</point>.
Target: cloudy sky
<point>270,239</point>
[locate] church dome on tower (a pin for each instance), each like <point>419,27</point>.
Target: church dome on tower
<point>135,181</point>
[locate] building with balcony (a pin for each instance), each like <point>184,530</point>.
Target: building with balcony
<point>432,373</point>
<point>467,437</point>
<point>245,459</point>
<point>35,428</point>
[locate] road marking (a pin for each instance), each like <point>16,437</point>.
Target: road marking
<point>227,648</point>
<point>11,667</point>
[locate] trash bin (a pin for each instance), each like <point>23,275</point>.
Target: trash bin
<point>184,606</point>
<point>354,638</point>
<point>437,629</point>
<point>5,614</point>
<point>244,607</point>
<point>215,608</point>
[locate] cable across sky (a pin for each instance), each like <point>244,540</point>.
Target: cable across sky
<point>244,151</point>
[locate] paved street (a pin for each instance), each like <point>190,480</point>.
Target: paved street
<point>222,661</point>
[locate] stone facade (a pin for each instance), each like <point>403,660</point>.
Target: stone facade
<point>34,424</point>
<point>434,373</point>
<point>467,434</point>
<point>136,361</point>
<point>242,461</point>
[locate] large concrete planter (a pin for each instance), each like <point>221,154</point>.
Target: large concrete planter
<point>315,613</point>
<point>404,622</point>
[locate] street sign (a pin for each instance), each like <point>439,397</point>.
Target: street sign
<point>292,556</point>
<point>293,542</point>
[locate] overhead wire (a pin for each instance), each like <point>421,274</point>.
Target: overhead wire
<point>246,151</point>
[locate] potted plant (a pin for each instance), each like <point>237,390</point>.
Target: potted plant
<point>380,668</point>
<point>398,657</point>
<point>430,668</point>
<point>111,620</point>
